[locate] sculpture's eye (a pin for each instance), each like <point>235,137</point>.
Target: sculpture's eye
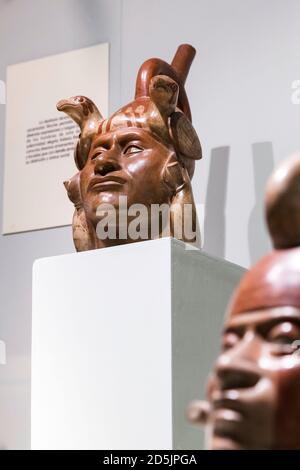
<point>97,154</point>
<point>132,149</point>
<point>284,333</point>
<point>229,340</point>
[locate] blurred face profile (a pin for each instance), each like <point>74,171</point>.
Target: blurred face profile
<point>254,391</point>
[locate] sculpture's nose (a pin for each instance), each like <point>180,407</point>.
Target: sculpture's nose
<point>237,367</point>
<point>104,166</point>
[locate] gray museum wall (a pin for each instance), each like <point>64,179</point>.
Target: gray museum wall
<point>240,93</point>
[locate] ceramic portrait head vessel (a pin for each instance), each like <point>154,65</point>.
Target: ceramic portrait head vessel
<point>253,394</point>
<point>135,167</point>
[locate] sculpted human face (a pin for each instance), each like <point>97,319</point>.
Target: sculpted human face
<point>124,162</point>
<point>254,391</point>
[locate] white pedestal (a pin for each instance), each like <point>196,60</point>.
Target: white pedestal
<point>122,339</point>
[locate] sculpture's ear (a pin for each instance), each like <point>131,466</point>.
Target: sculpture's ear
<point>81,233</point>
<point>173,174</point>
<point>177,178</point>
<point>73,189</point>
<point>183,209</point>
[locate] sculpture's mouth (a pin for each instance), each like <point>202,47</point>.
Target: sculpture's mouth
<point>227,417</point>
<point>105,183</point>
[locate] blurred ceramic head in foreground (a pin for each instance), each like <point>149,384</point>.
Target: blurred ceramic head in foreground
<point>253,394</point>
<point>143,154</point>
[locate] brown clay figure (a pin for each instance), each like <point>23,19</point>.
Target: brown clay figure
<point>138,160</point>
<point>254,390</point>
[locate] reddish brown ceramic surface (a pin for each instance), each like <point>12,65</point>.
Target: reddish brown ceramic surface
<point>145,151</point>
<point>272,282</point>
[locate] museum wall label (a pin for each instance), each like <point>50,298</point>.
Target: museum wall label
<point>38,141</point>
